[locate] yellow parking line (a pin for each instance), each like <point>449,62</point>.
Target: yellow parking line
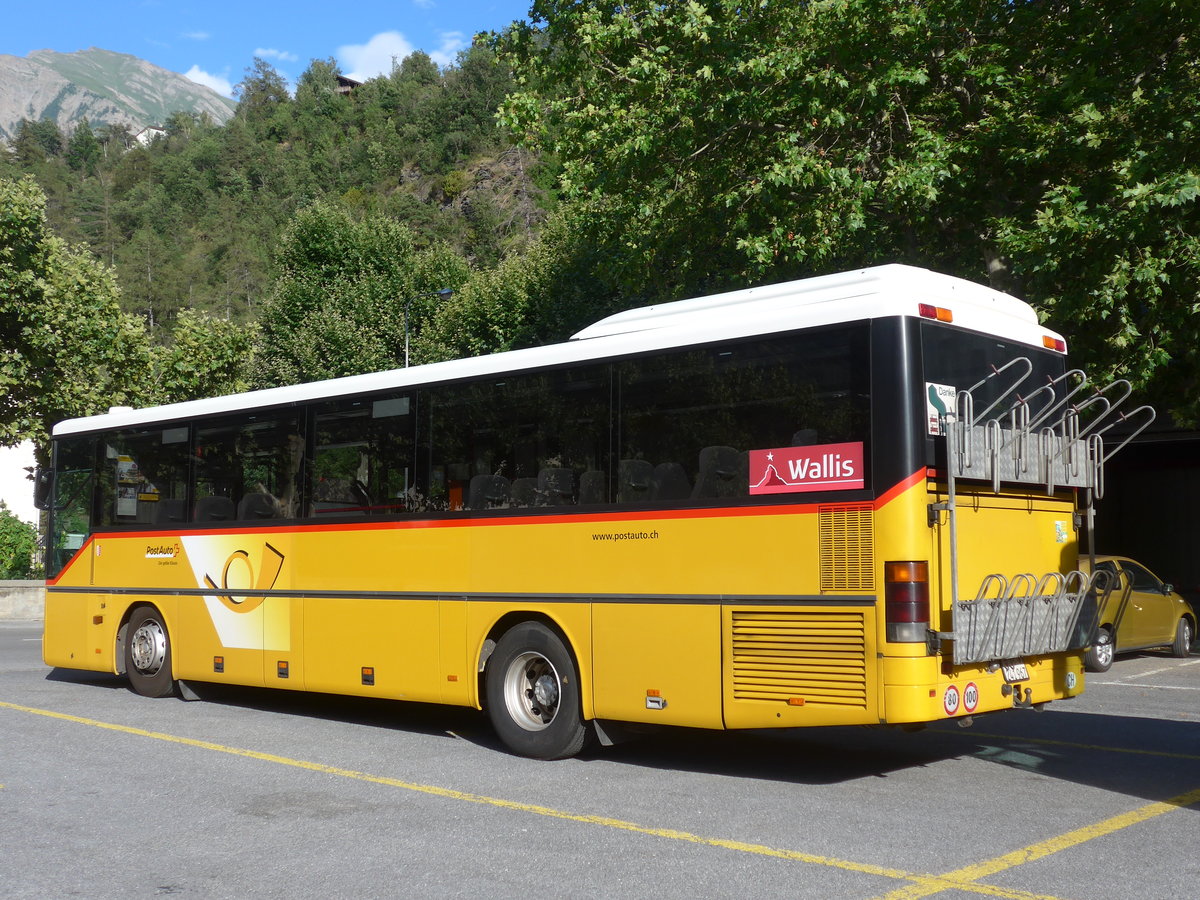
<point>1051,846</point>
<point>926,884</point>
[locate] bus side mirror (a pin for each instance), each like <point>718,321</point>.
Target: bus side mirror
<point>42,481</point>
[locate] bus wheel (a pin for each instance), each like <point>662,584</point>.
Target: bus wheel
<point>533,694</point>
<point>1099,656</point>
<point>148,654</point>
<point>1183,639</point>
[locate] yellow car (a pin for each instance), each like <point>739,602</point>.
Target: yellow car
<point>1140,613</point>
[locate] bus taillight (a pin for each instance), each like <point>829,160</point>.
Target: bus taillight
<point>906,600</point>
<point>940,313</point>
<point>1054,343</point>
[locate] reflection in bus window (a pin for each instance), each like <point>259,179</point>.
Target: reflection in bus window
<point>363,456</point>
<point>687,419</point>
<point>530,440</point>
<point>247,468</point>
<point>144,476</point>
<point>71,501</point>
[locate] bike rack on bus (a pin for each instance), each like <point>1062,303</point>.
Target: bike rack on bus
<point>1051,437</point>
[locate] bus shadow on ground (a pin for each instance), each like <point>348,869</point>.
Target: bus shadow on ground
<point>94,679</point>
<point>1153,759</point>
<point>1149,758</point>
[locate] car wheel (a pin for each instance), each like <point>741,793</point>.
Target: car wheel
<point>533,695</point>
<point>148,654</point>
<point>1183,639</point>
<point>1099,656</point>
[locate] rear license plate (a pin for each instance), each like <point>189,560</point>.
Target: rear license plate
<point>1014,670</point>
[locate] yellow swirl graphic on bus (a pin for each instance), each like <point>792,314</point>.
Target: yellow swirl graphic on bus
<point>240,571</point>
<point>238,575</point>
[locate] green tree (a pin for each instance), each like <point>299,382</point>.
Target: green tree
<point>262,98</point>
<point>207,356</point>
<point>83,150</point>
<point>66,349</point>
<point>544,294</point>
<point>37,141</point>
<point>338,303</point>
<point>18,546</point>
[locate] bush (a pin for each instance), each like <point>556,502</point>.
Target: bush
<point>18,547</point>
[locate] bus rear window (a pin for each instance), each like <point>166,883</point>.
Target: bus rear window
<point>960,359</point>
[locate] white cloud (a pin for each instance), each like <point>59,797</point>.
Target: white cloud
<point>364,61</point>
<point>216,82</point>
<point>197,35</point>
<point>447,53</point>
<point>270,53</point>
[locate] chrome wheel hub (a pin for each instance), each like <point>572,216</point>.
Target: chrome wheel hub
<point>148,648</point>
<point>531,691</point>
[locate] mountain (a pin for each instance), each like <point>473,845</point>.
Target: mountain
<point>105,87</point>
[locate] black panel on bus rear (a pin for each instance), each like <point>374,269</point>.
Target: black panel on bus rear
<point>897,405</point>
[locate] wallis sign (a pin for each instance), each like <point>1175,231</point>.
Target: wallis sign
<point>825,467</point>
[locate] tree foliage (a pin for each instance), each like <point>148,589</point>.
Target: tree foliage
<point>345,291</point>
<point>190,221</point>
<point>18,546</point>
<point>207,356</point>
<point>66,349</point>
<point>1046,146</point>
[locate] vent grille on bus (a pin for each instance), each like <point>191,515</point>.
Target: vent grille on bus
<point>819,657</point>
<point>847,548</point>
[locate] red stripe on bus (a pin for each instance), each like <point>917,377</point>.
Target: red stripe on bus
<point>901,487</point>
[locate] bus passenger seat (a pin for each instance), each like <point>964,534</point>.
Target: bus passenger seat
<point>214,509</point>
<point>170,510</point>
<point>635,477</point>
<point>258,506</point>
<point>556,487</point>
<point>723,473</point>
<point>524,491</point>
<point>670,483</point>
<point>592,487</point>
<point>804,437</point>
<point>487,492</point>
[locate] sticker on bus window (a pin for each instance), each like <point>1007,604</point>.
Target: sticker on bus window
<point>823,467</point>
<point>939,400</point>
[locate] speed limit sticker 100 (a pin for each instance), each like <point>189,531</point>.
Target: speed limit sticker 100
<point>970,698</point>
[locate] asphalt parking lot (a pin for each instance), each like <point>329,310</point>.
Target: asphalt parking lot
<point>267,794</point>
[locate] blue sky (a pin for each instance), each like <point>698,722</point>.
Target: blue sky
<point>213,42</point>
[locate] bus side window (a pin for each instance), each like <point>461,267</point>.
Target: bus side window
<point>533,441</point>
<point>72,512</point>
<point>702,410</point>
<point>143,468</point>
<point>362,457</point>
<point>248,468</point>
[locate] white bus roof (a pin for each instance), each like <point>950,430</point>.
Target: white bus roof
<point>890,290</point>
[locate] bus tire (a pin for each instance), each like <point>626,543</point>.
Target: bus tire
<point>1099,656</point>
<point>533,697</point>
<point>1183,639</point>
<point>148,654</point>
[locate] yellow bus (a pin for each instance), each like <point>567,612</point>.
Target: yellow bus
<point>852,499</point>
